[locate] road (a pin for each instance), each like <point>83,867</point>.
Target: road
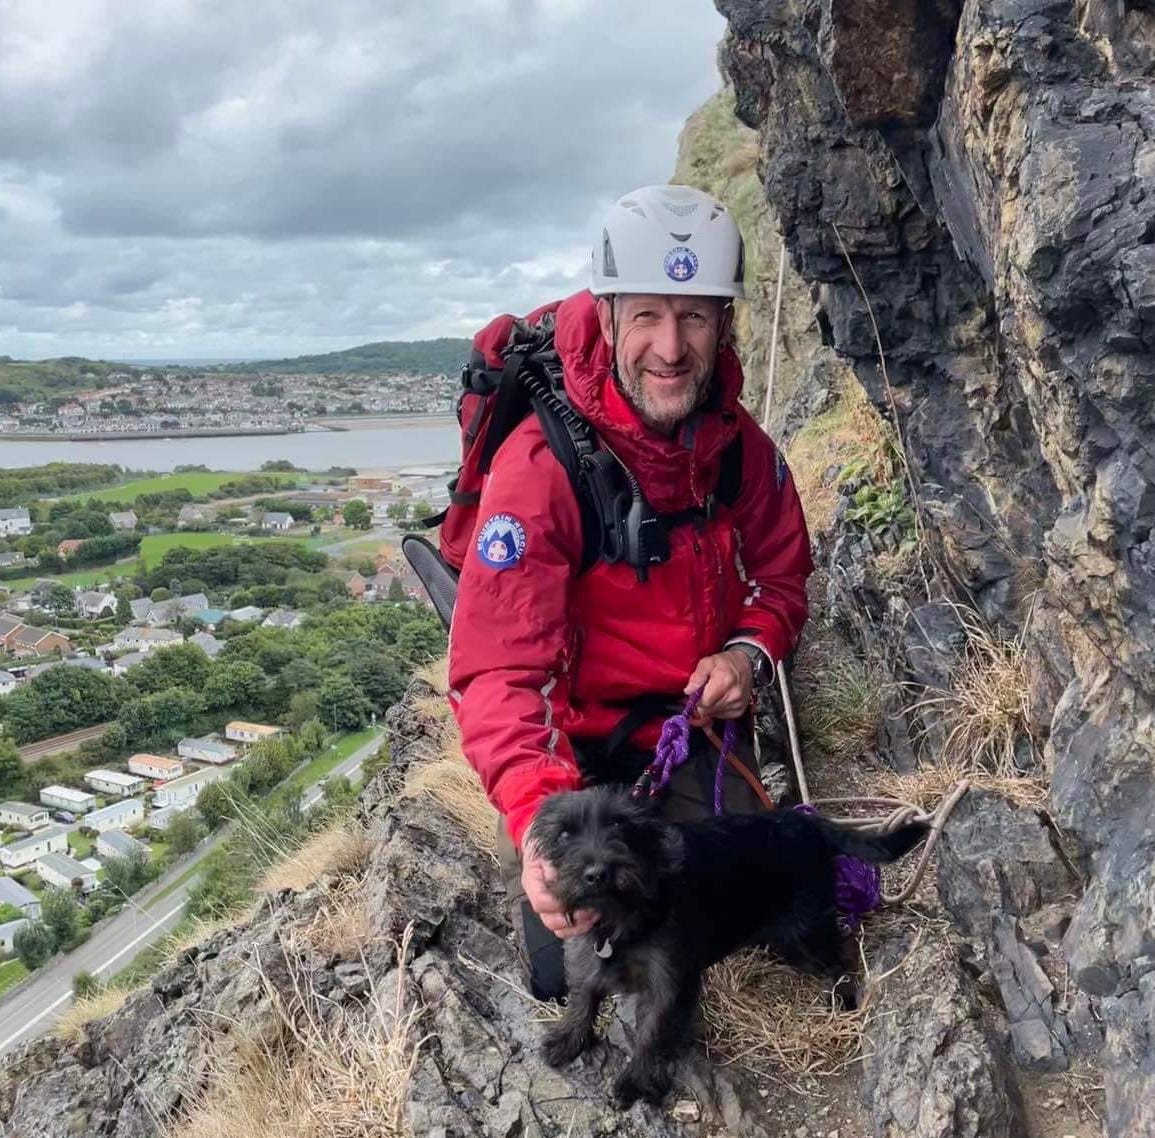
<point>30,1010</point>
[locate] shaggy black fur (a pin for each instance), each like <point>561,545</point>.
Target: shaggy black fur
<point>676,897</point>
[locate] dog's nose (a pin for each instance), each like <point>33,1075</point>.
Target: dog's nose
<point>594,874</point>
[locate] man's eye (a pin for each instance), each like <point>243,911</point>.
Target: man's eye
<point>698,319</point>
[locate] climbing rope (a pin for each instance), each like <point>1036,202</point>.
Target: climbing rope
<point>899,813</point>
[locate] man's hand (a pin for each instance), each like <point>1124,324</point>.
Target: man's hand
<point>536,876</point>
<point>729,680</point>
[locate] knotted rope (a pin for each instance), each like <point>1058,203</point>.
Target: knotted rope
<point>673,750</point>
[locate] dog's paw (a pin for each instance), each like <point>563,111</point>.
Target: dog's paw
<point>648,1082</point>
<point>562,1046</point>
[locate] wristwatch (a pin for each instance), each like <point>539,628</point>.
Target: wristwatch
<point>759,661</point>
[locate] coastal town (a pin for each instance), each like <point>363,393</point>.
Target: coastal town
<point>184,401</point>
<point>175,645</point>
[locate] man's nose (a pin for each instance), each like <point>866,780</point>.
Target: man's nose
<point>669,340</point>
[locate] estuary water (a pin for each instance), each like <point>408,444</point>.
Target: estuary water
<point>367,448</point>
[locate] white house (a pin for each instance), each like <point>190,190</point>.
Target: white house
<point>192,514</point>
<point>15,522</point>
<point>184,790</point>
<point>8,932</point>
<point>24,815</point>
<point>115,816</point>
<point>27,850</point>
<point>61,870</point>
<point>7,683</point>
<point>129,660</point>
<point>206,750</point>
<point>65,798</point>
<point>159,819</point>
<point>123,519</point>
<point>13,893</point>
<point>208,644</point>
<point>155,766</point>
<point>145,639</point>
<point>246,614</point>
<point>276,520</point>
<point>283,618</point>
<point>116,843</point>
<point>241,732</point>
<point>93,604</point>
<point>146,611</point>
<point>115,782</point>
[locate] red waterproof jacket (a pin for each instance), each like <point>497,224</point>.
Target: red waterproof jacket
<point>541,653</point>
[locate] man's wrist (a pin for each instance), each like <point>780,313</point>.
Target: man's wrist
<point>759,661</point>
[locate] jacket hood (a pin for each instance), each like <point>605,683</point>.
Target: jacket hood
<point>675,471</point>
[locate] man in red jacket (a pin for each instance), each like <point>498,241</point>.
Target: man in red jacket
<point>550,665</point>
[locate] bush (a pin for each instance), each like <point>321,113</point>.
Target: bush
<point>34,944</point>
<point>85,984</point>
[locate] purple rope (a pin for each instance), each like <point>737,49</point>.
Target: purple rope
<point>673,750</point>
<point>857,885</point>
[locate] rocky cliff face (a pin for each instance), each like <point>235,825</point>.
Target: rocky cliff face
<point>987,169</point>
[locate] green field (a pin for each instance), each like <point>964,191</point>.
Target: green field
<point>196,482</point>
<point>79,845</point>
<point>82,578</point>
<point>11,972</point>
<point>156,545</point>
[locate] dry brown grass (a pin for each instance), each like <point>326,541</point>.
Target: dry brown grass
<point>343,926</point>
<point>851,431</point>
<point>344,849</point>
<point>325,1073</point>
<point>928,786</point>
<point>435,674</point>
<point>986,711</point>
<point>196,932</point>
<point>440,771</point>
<point>72,1022</point>
<point>768,1017</point>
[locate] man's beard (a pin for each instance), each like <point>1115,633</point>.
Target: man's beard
<point>665,414</point>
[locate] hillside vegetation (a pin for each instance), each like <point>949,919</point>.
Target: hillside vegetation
<point>22,381</point>
<point>443,356</point>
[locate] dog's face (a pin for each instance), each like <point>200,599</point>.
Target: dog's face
<point>611,853</point>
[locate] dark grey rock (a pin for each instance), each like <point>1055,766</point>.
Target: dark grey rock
<point>933,1068</point>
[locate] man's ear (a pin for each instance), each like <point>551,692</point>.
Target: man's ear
<point>726,328</point>
<point>606,318</point>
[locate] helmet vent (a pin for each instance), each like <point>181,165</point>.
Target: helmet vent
<point>633,207</point>
<point>609,265</point>
<point>681,238</point>
<point>681,209</point>
<point>717,211</point>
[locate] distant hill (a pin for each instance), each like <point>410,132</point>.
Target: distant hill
<point>443,356</point>
<point>21,381</point>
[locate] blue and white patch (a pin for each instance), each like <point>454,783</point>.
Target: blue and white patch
<point>783,471</point>
<point>681,264</point>
<point>501,541</point>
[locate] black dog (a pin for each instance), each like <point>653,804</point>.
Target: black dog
<point>674,898</point>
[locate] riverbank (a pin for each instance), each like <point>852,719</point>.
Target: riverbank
<point>123,436</point>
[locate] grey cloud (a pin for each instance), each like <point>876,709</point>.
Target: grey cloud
<point>274,175</point>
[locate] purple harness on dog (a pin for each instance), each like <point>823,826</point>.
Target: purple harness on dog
<point>857,883</point>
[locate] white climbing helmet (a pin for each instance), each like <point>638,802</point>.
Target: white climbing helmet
<point>670,241</point>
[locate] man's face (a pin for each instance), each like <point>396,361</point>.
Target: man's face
<point>666,347</point>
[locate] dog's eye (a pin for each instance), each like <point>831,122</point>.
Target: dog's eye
<point>563,836</point>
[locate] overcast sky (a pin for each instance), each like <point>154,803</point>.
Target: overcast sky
<point>218,177</point>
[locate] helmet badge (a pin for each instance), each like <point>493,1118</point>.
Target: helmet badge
<point>681,264</point>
